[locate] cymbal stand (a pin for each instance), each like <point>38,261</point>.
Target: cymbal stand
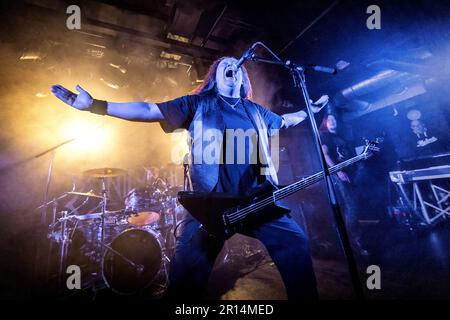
<point>63,249</point>
<point>104,199</point>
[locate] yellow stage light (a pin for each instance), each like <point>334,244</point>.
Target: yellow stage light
<point>88,135</point>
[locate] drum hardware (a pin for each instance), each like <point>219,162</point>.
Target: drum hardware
<point>129,249</point>
<point>95,215</point>
<point>63,248</point>
<point>145,255</point>
<point>145,205</point>
<point>187,181</point>
<point>62,237</point>
<point>54,203</point>
<point>139,268</point>
<point>89,194</point>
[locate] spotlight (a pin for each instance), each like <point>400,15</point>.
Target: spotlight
<point>88,136</point>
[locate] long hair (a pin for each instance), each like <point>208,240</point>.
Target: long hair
<point>323,126</point>
<point>209,82</point>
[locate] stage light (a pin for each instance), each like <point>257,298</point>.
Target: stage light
<point>118,67</point>
<point>88,135</point>
<point>31,56</point>
<point>170,56</point>
<point>177,37</point>
<point>109,84</point>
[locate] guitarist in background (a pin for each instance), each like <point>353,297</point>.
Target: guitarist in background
<point>337,150</point>
<point>221,103</point>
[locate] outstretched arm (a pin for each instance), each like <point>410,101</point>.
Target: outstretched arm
<point>136,111</point>
<point>294,118</point>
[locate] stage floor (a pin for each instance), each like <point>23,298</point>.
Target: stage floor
<point>414,265</point>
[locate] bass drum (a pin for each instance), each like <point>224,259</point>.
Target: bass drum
<point>133,262</point>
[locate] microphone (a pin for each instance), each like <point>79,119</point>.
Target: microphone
<point>313,67</point>
<point>246,55</point>
<point>323,69</point>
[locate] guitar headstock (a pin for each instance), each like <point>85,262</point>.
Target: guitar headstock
<point>372,147</point>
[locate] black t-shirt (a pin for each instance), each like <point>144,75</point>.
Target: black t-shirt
<point>338,148</point>
<point>240,170</point>
<point>426,143</point>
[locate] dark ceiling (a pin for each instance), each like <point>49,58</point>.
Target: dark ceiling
<point>191,34</point>
<point>196,30</point>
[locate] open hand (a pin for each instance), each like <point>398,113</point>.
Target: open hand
<point>80,101</point>
<point>320,103</point>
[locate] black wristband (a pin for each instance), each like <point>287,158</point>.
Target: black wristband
<point>99,107</point>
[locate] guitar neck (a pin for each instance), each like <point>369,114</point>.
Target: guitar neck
<point>291,189</point>
<point>306,182</point>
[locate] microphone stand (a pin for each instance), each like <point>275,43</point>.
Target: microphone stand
<point>299,79</point>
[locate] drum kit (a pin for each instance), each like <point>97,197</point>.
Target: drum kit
<point>126,250</point>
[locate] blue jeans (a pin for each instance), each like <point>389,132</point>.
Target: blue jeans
<point>196,252</point>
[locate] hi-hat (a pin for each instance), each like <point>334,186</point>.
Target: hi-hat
<point>104,172</point>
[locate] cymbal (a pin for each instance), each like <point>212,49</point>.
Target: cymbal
<point>85,194</point>
<point>143,218</point>
<point>104,172</point>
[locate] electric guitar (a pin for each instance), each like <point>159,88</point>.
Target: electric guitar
<point>224,214</point>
